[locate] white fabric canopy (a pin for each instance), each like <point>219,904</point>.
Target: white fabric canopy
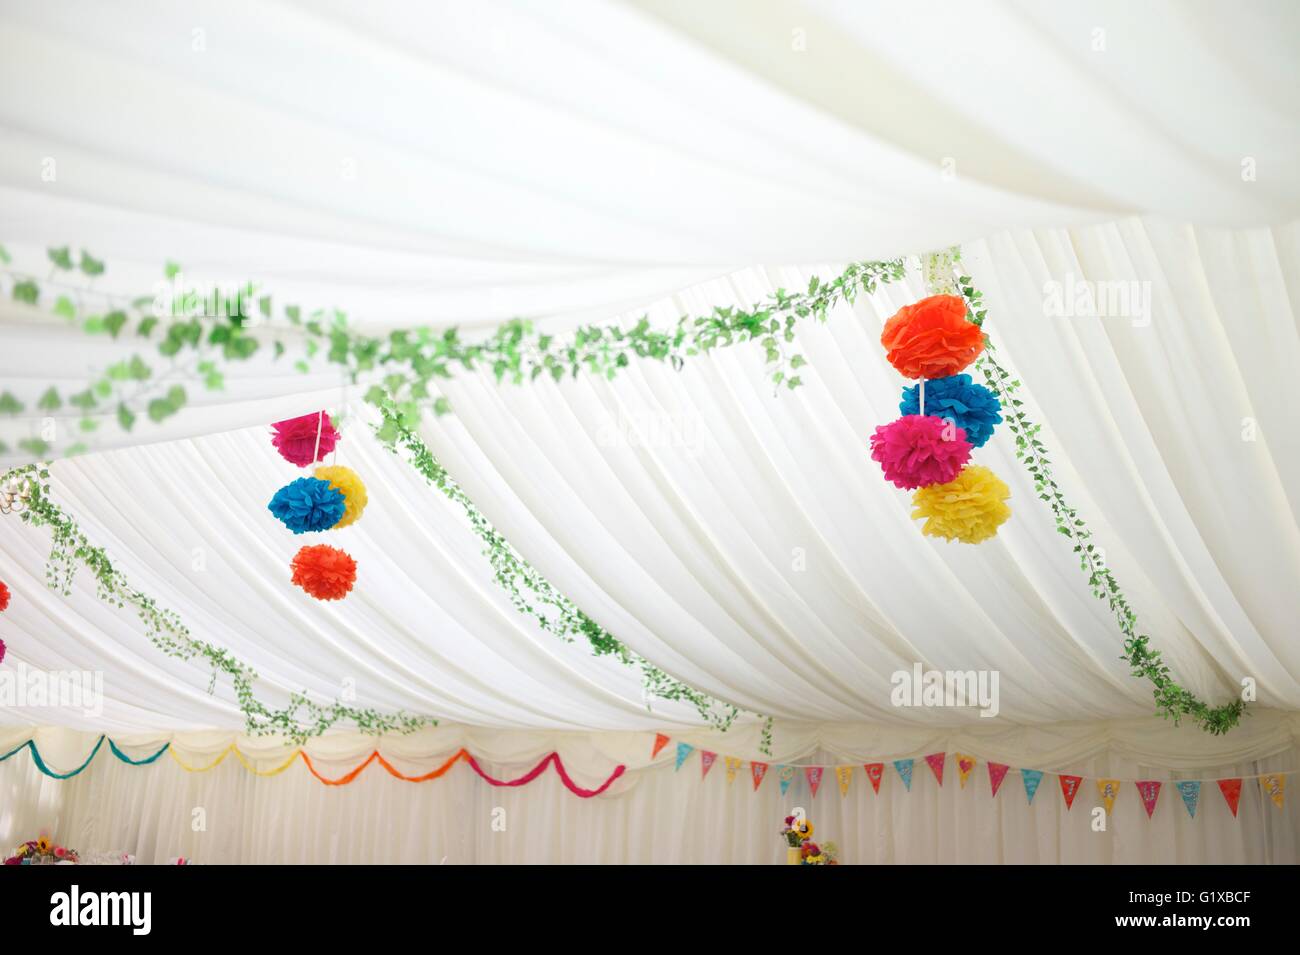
<point>468,163</point>
<point>444,164</point>
<point>741,540</point>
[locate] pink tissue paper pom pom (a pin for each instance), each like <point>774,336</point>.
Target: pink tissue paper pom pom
<point>920,450</point>
<point>295,438</point>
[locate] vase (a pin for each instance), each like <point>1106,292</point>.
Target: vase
<point>794,855</point>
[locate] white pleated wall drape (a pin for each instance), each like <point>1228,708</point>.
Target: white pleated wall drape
<point>655,815</point>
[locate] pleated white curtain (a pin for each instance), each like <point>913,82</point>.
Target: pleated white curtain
<point>655,815</point>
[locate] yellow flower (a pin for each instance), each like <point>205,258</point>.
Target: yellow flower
<point>347,482</point>
<point>969,508</point>
<point>43,844</point>
<point>803,828</point>
<point>817,860</point>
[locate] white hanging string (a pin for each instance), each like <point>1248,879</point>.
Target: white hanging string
<point>922,399</point>
<point>320,424</point>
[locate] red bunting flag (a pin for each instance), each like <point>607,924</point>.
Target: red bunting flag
<point>660,742</point>
<point>758,771</point>
<point>1070,786</point>
<point>874,771</point>
<point>814,776</point>
<point>1231,789</point>
<point>964,766</point>
<point>936,765</point>
<point>707,760</point>
<point>1149,790</point>
<point>997,773</point>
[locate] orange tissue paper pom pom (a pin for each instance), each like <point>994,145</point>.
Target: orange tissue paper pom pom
<point>325,572</point>
<point>932,338</point>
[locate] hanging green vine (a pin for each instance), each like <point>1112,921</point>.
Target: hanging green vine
<point>195,336</point>
<point>536,597</point>
<point>1172,700</point>
<point>71,550</point>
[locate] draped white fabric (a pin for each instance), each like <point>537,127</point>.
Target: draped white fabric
<point>741,540</point>
<point>440,164</point>
<point>653,814</point>
<point>463,163</point>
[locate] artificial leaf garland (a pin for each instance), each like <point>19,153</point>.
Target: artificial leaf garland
<point>1172,700</point>
<point>536,597</point>
<point>71,550</point>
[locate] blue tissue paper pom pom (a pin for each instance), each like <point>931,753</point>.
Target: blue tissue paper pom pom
<point>308,504</point>
<point>972,407</point>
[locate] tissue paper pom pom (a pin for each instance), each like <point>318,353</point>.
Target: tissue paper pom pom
<point>346,482</point>
<point>932,338</point>
<point>308,504</point>
<point>4,595</point>
<point>969,508</point>
<point>295,438</point>
<point>325,572</point>
<point>2,651</point>
<point>918,450</point>
<point>972,407</point>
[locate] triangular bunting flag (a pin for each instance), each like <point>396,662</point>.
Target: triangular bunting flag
<point>757,771</point>
<point>844,775</point>
<point>1231,789</point>
<point>683,750</point>
<point>814,776</point>
<point>1190,790</point>
<point>785,776</point>
<point>660,742</point>
<point>936,765</point>
<point>733,764</point>
<point>707,760</point>
<point>964,766</point>
<point>874,772</point>
<point>1031,778</point>
<point>997,773</point>
<point>1149,790</point>
<point>904,767</point>
<point>1070,786</point>
<point>1109,789</point>
<point>1275,785</point>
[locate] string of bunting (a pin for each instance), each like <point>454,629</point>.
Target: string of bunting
<point>1272,784</point>
<point>462,755</point>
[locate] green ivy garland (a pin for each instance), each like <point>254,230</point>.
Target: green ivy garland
<point>1172,700</point>
<point>70,550</point>
<point>202,333</point>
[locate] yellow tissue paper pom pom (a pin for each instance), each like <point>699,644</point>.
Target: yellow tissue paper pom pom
<point>346,481</point>
<point>969,508</point>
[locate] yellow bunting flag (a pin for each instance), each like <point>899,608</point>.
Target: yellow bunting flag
<point>1109,789</point>
<point>1275,785</point>
<point>733,764</point>
<point>845,775</point>
<point>964,766</point>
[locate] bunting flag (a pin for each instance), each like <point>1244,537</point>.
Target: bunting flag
<point>683,750</point>
<point>1190,790</point>
<point>1231,789</point>
<point>964,766</point>
<point>904,767</point>
<point>660,742</point>
<point>997,773</point>
<point>936,765</point>
<point>1109,789</point>
<point>1149,790</point>
<point>874,772</point>
<point>814,776</point>
<point>785,776</point>
<point>733,764</point>
<point>1031,779</point>
<point>757,771</point>
<point>1275,786</point>
<point>1070,786</point>
<point>707,760</point>
<point>844,776</point>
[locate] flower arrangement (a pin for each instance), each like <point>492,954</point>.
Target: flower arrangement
<point>801,850</point>
<point>43,851</point>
